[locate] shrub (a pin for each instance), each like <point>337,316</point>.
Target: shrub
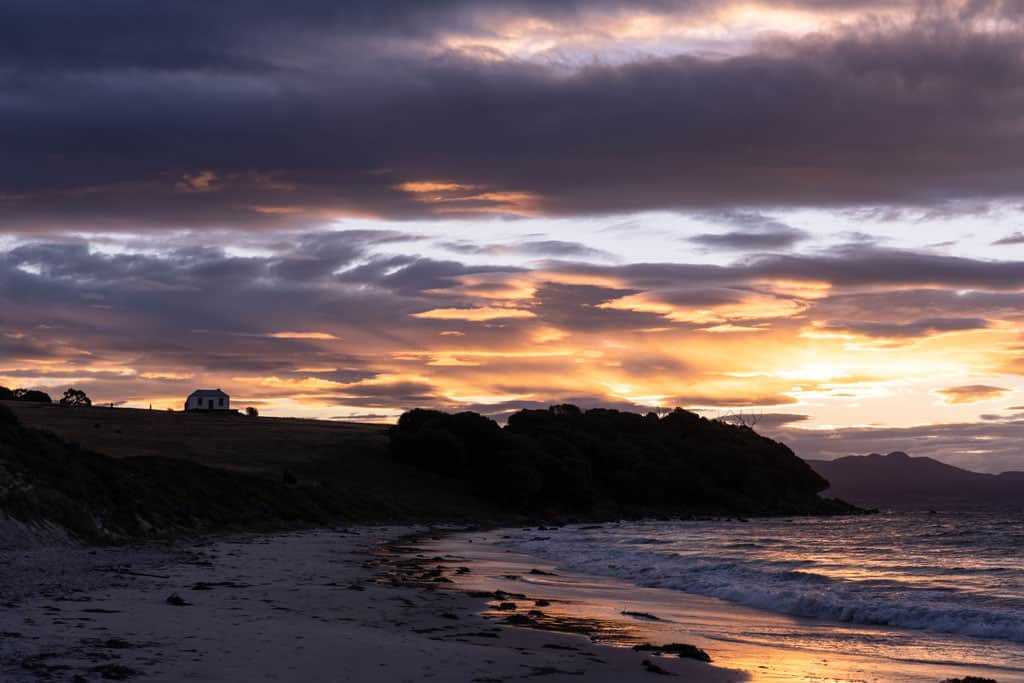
<point>32,396</point>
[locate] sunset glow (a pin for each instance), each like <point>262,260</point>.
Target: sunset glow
<point>725,206</point>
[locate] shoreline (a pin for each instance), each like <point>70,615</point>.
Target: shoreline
<point>615,611</point>
<point>394,603</point>
<point>309,605</point>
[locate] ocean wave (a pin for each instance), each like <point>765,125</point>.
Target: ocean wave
<point>791,586</point>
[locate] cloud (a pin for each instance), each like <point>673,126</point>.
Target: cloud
<point>854,267</point>
<point>1009,240</point>
<point>349,305</point>
<point>481,314</point>
<point>914,328</point>
<point>744,241</point>
<point>261,116</point>
<point>548,248</point>
<point>757,233</point>
<point>972,393</point>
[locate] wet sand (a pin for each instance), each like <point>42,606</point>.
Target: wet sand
<point>759,643</point>
<point>328,605</point>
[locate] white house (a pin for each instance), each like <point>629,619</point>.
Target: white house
<point>207,399</point>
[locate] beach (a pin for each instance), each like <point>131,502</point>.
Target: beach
<point>324,605</point>
<point>411,603</point>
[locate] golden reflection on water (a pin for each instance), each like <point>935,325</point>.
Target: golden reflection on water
<point>765,647</point>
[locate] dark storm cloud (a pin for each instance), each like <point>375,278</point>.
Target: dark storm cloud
<point>706,297</point>
<point>764,421</point>
<point>914,328</point>
<point>161,309</point>
<point>122,115</point>
<point>388,395</point>
<point>197,297</point>
<point>851,266</point>
<point>234,35</point>
<point>858,265</point>
<point>578,308</point>
<point>747,241</point>
<point>14,348</point>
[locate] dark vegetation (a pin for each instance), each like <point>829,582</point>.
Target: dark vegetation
<point>175,473</point>
<point>96,498</point>
<point>72,397</point>
<point>27,395</point>
<point>75,398</point>
<point>564,459</point>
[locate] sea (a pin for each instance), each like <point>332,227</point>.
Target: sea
<point>915,593</point>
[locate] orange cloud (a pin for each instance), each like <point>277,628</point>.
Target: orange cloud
<point>203,181</point>
<point>972,393</point>
<point>481,314</point>
<point>453,197</point>
<point>425,186</point>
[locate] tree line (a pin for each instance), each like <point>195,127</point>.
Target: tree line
<point>71,397</point>
<point>570,459</point>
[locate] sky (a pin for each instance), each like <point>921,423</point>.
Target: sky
<point>807,212</point>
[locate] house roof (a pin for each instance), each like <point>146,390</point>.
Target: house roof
<point>205,393</point>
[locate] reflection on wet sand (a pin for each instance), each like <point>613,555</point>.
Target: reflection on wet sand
<point>522,590</point>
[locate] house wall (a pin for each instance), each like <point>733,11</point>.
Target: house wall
<point>202,403</point>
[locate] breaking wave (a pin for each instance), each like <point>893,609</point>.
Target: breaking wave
<point>961,576</point>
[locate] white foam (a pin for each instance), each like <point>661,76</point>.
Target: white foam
<point>791,585</point>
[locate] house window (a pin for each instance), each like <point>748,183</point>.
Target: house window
<point>222,402</point>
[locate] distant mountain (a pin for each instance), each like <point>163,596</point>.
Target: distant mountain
<point>900,481</point>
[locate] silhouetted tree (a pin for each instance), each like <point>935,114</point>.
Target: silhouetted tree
<point>6,394</point>
<point>742,419</point>
<point>567,458</point>
<point>32,396</point>
<point>252,412</point>
<point>75,397</point>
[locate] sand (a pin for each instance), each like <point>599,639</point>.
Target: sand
<point>304,606</point>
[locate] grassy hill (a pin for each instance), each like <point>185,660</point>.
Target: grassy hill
<point>119,473</point>
<point>229,440</point>
<point>122,473</point>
